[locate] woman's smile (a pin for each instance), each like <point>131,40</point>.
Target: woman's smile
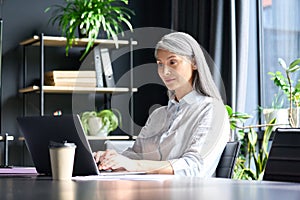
<point>169,80</point>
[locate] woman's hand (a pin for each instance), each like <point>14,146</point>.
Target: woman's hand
<point>111,160</point>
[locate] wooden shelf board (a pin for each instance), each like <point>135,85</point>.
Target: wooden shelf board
<point>10,138</point>
<point>79,42</point>
<point>75,89</point>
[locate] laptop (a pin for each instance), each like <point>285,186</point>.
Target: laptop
<point>38,131</point>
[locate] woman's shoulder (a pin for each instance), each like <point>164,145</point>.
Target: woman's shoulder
<point>198,99</point>
<point>158,111</point>
<point>205,104</point>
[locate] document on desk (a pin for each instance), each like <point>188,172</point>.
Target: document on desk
<point>150,177</point>
<point>18,170</point>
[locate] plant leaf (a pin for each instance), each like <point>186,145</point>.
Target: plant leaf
<point>282,63</point>
<point>294,64</point>
<point>294,68</point>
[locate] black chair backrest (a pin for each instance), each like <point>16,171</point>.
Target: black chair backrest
<point>284,157</point>
<point>227,160</point>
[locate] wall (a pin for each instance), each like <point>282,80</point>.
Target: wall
<point>21,20</point>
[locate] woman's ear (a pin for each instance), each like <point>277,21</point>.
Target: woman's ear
<point>194,66</point>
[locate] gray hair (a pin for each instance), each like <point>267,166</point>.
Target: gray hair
<point>185,45</point>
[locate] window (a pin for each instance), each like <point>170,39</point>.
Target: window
<point>280,39</point>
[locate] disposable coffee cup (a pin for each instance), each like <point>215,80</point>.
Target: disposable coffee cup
<point>62,160</point>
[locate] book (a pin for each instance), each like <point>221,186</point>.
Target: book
<point>70,74</point>
<point>73,84</point>
<point>107,68</point>
<point>87,82</point>
<point>93,60</point>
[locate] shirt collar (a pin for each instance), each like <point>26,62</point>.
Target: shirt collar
<point>189,98</point>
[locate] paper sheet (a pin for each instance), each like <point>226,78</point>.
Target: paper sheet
<point>125,177</point>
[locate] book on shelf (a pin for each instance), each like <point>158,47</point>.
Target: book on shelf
<point>55,74</point>
<point>87,82</point>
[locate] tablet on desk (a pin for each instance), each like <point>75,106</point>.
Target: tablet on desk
<point>38,131</point>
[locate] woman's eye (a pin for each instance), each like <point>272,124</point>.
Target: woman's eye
<point>173,62</point>
<point>160,64</point>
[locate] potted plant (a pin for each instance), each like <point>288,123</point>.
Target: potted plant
<point>252,160</point>
<point>292,92</point>
<point>89,17</point>
<point>100,123</point>
<point>277,110</point>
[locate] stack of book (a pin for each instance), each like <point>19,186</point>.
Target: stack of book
<point>70,78</point>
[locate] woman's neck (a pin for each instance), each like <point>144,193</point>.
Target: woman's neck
<point>181,92</point>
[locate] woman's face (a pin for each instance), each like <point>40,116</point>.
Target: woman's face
<point>175,71</point>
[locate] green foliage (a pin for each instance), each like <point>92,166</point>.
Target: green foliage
<point>236,117</point>
<point>110,121</point>
<point>90,16</point>
<point>252,150</point>
<point>285,83</point>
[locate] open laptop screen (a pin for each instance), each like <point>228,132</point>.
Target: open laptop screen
<point>40,130</point>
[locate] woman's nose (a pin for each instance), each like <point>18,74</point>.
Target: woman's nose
<point>166,70</point>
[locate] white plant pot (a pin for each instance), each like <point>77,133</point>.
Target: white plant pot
<point>282,117</point>
<point>95,127</point>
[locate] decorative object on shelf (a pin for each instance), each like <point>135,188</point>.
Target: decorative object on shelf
<point>91,16</point>
<point>285,84</point>
<point>253,151</point>
<point>100,123</point>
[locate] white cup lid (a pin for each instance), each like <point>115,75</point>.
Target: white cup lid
<point>53,144</point>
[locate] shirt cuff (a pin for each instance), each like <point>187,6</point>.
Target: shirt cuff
<point>179,166</point>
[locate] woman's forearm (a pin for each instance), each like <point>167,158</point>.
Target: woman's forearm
<point>155,167</point>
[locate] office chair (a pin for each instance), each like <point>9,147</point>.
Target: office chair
<point>284,157</point>
<point>228,159</point>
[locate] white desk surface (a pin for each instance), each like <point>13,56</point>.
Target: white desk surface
<point>164,187</point>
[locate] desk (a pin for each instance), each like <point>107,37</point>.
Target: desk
<point>32,188</point>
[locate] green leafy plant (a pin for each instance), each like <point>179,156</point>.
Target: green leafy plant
<point>285,83</point>
<point>236,117</point>
<point>252,151</point>
<point>109,120</point>
<point>90,16</point>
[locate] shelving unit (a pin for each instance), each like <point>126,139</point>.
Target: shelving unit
<point>54,41</point>
<point>42,41</point>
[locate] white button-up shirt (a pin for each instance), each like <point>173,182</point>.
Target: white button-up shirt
<point>191,134</point>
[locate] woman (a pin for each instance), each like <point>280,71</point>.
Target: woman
<point>186,137</point>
